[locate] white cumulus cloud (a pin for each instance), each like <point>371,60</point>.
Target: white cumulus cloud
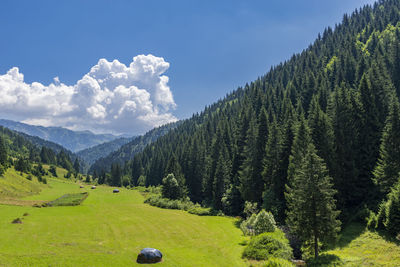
<point>112,98</point>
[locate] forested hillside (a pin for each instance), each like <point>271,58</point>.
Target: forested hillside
<point>22,151</point>
<point>127,151</point>
<point>92,154</point>
<point>332,110</point>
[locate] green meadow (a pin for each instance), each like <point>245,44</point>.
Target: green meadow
<point>110,229</point>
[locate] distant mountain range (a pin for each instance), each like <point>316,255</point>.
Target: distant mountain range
<point>126,151</point>
<point>72,140</point>
<point>91,154</point>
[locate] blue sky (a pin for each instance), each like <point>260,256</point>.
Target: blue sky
<point>212,46</point>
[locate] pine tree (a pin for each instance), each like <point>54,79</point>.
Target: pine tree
<point>312,213</point>
<point>251,183</point>
<point>271,174</point>
<point>116,174</point>
<point>388,167</point>
<point>299,147</point>
<point>171,187</point>
<point>76,166</point>
<point>321,133</point>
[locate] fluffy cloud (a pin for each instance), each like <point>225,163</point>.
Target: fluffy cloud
<point>112,97</point>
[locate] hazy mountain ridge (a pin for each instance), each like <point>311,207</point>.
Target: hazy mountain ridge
<point>91,154</point>
<point>127,151</point>
<point>72,140</point>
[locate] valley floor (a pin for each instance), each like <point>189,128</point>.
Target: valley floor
<point>110,229</point>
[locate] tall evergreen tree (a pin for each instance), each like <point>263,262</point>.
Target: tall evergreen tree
<point>312,213</point>
<point>301,141</point>
<point>387,170</point>
<point>76,166</point>
<point>271,173</point>
<point>321,133</point>
<point>116,174</point>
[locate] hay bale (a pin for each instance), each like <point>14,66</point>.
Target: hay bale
<point>17,220</point>
<point>149,255</point>
<point>116,191</point>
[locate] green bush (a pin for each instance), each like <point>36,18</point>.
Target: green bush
<point>247,226</point>
<point>179,204</point>
<point>278,262</point>
<point>199,210</point>
<point>262,222</point>
<point>268,245</point>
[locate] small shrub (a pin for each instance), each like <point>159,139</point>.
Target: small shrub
<point>53,171</point>
<point>268,245</point>
<point>264,222</point>
<point>29,177</point>
<point>198,210</point>
<point>44,180</point>
<point>247,226</point>
<point>141,181</point>
<point>250,209</point>
<point>171,188</point>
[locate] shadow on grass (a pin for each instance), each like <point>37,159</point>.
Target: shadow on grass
<point>349,233</point>
<point>325,260</point>
<point>387,237</point>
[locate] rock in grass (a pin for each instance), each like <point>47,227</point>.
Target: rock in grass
<point>149,255</point>
<point>116,191</point>
<point>25,214</point>
<point>18,220</point>
<point>93,187</point>
<point>81,186</point>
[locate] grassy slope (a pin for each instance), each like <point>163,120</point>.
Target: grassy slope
<point>13,184</point>
<point>360,247</point>
<point>110,229</point>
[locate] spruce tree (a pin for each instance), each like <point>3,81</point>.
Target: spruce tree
<point>312,213</point>
<point>321,133</point>
<point>271,174</point>
<point>76,166</point>
<point>388,167</point>
<point>299,147</point>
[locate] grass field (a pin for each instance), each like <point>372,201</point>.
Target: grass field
<point>110,229</point>
<point>360,247</point>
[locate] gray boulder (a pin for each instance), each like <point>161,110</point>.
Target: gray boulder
<point>149,255</point>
